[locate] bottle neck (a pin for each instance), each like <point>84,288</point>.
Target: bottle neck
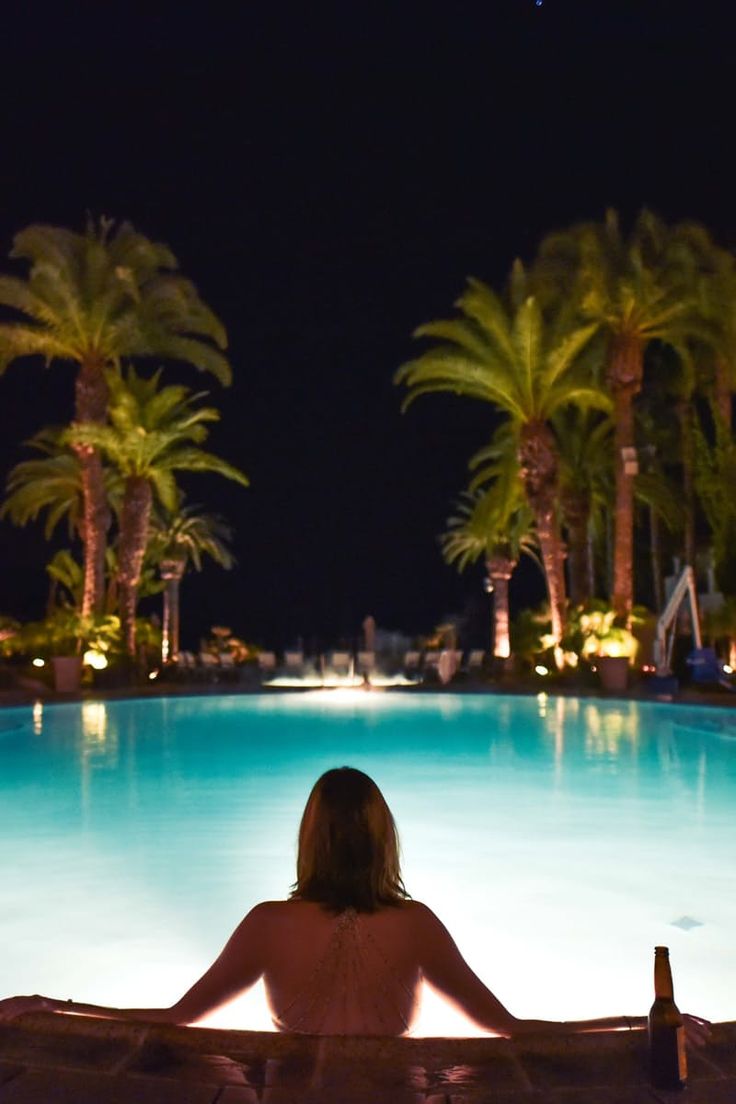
<point>663,988</point>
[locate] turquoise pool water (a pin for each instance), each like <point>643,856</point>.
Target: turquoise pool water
<point>559,839</point>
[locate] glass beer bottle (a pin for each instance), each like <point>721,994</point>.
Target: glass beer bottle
<point>667,1060</point>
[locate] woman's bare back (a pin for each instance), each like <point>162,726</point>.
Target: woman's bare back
<point>346,973</point>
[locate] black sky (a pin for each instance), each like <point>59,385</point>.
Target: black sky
<point>328,176</point>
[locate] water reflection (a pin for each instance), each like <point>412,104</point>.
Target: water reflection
<point>609,731</point>
<point>94,722</point>
<point>98,747</point>
<point>38,718</point>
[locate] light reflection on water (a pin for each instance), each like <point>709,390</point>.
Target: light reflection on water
<point>559,839</point>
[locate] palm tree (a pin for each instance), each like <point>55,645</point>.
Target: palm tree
<point>528,369</point>
<point>92,299</point>
<point>715,353</point>
<point>177,540</point>
<point>51,485</point>
<point>152,434</point>
<point>494,523</point>
<point>638,289</point>
<point>585,479</point>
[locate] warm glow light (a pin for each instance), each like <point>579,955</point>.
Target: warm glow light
<point>339,682</point>
<point>153,674</point>
<point>728,668</point>
<point>540,669</point>
<point>94,659</point>
<point>38,662</point>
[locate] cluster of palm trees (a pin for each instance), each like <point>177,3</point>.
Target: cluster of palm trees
<point>610,364</point>
<point>105,300</point>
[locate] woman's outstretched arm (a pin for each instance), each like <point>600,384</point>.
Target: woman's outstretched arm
<point>239,966</point>
<point>447,971</point>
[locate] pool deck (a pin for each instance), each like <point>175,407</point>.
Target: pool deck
<point>34,690</point>
<point>54,1059</point>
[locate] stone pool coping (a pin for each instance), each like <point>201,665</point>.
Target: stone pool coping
<point>64,1059</point>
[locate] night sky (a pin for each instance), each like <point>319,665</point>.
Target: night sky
<point>328,175</point>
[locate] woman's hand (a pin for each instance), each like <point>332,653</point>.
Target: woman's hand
<point>12,1007</point>
<point>697,1030</point>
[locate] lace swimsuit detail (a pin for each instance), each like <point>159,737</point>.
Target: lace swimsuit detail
<point>353,985</point>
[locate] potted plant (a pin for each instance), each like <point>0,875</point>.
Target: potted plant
<point>68,640</point>
<point>609,648</point>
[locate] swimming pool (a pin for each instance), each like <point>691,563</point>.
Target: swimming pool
<point>559,839</point>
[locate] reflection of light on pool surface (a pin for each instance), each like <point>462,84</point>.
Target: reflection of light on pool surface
<point>558,839</point>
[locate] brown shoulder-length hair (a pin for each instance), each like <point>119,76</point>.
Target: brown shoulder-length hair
<point>348,845</point>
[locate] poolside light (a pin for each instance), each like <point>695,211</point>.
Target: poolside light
<point>153,674</point>
<point>94,659</point>
<point>540,669</point>
<point>38,662</point>
<point>727,669</point>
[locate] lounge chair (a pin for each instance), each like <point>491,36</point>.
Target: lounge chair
<point>474,662</point>
<point>411,661</point>
<point>294,663</point>
<point>366,662</point>
<point>266,662</point>
<point>340,662</point>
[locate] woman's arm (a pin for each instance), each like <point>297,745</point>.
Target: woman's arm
<point>239,966</point>
<point>447,971</point>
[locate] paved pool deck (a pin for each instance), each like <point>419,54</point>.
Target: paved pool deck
<point>61,1059</point>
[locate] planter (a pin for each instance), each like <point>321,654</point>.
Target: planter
<point>67,673</point>
<point>613,672</point>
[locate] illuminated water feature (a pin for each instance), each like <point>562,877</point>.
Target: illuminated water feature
<point>559,839</point>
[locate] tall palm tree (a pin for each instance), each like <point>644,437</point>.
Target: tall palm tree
<point>528,369</point>
<point>92,299</point>
<point>152,434</point>
<point>637,289</point>
<point>585,483</point>
<point>178,540</point>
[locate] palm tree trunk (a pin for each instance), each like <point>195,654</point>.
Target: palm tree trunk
<point>624,374</point>
<point>539,466</point>
<point>576,509</point>
<point>91,397</point>
<point>655,548</point>
<point>134,523</point>
<point>171,572</point>
<point>553,561</point>
<point>500,570</point>
<point>687,455</point>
